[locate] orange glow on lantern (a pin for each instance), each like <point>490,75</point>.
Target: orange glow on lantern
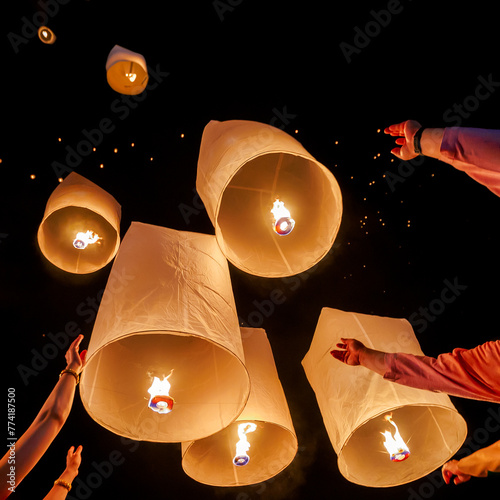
<point>395,445</point>
<point>283,223</point>
<point>242,446</point>
<point>160,400</point>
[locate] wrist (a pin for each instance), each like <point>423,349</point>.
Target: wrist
<point>69,475</point>
<point>430,142</point>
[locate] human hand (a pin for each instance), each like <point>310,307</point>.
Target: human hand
<point>349,356</point>
<point>73,461</point>
<point>405,132</point>
<point>451,469</point>
<point>74,359</point>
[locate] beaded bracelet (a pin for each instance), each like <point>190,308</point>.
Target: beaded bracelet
<point>64,484</point>
<point>69,370</point>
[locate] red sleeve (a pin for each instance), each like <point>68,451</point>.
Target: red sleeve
<point>476,152</point>
<point>473,374</point>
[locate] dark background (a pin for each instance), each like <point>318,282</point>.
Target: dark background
<point>276,62</point>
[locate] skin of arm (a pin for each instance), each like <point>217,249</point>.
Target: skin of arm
<point>73,461</point>
<point>31,446</point>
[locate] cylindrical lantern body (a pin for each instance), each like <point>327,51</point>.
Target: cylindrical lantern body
<point>77,206</point>
<point>167,310</point>
<point>354,401</point>
<point>243,168</point>
<point>273,443</point>
<point>126,71</point>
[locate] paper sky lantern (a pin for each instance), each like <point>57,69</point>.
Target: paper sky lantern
<point>126,71</point>
<point>355,403</point>
<point>261,442</point>
<point>46,35</point>
<point>247,173</point>
<point>80,230</point>
<point>167,312</point>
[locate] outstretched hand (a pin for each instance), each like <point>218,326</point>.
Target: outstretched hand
<point>405,132</point>
<point>73,460</point>
<point>451,469</point>
<point>351,351</point>
<point>74,358</point>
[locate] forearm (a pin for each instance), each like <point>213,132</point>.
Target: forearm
<point>59,491</point>
<point>373,360</point>
<point>430,142</point>
<point>58,404</point>
<point>482,461</point>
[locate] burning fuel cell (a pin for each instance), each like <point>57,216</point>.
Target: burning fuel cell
<point>160,400</point>
<point>242,446</point>
<point>283,223</point>
<point>395,445</point>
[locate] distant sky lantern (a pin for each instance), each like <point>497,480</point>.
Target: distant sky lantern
<point>360,408</point>
<point>126,71</point>
<point>244,169</point>
<point>261,442</point>
<point>80,229</point>
<point>46,35</point>
<point>166,329</point>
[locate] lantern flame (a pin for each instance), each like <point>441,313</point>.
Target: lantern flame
<point>242,446</point>
<point>82,240</point>
<point>283,223</point>
<point>131,76</point>
<point>395,446</point>
<point>160,400</point>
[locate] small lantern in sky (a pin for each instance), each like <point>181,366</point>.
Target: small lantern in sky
<point>46,35</point>
<point>276,210</point>
<point>165,362</point>
<point>126,71</point>
<point>261,442</point>
<point>80,230</point>
<point>384,434</point>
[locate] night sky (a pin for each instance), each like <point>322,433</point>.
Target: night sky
<point>332,77</point>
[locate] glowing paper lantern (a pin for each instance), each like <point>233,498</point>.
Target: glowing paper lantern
<point>355,402</point>
<point>46,35</point>
<point>126,71</point>
<point>261,442</point>
<point>80,230</point>
<point>167,312</point>
<point>244,168</point>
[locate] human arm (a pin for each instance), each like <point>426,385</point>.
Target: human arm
<point>60,489</point>
<point>31,446</point>
<point>474,151</point>
<point>477,464</point>
<point>467,373</point>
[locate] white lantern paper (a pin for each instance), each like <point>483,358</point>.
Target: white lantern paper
<point>273,444</point>
<point>126,71</point>
<point>354,400</point>
<point>243,168</point>
<point>77,205</point>
<point>168,309</point>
